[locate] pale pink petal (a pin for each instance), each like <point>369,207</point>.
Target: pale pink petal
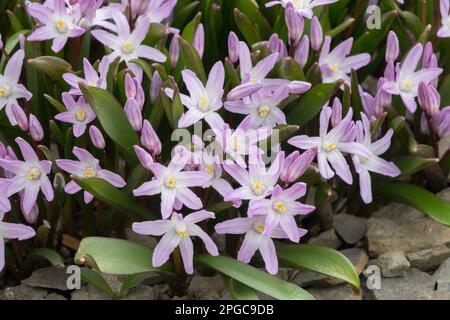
<point>152,228</point>
<point>164,248</point>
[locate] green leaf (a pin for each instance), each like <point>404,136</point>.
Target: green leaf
<point>116,256</point>
<point>182,17</point>
<point>255,278</point>
<point>190,29</point>
<point>319,259</point>
<point>289,68</point>
<point>340,28</point>
<point>279,134</point>
<point>191,59</point>
<point>113,120</point>
<point>240,291</point>
<point>145,66</point>
<point>94,278</point>
<point>411,164</point>
<point>312,102</point>
<point>55,103</point>
<point>356,95</point>
<point>109,194</point>
<point>48,254</point>
<point>251,9</point>
<point>247,27</point>
<point>10,45</point>
<point>53,66</point>
<point>132,281</point>
<point>413,23</point>
<point>418,198</point>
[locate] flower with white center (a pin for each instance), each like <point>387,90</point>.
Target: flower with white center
<point>303,7</point>
<point>330,146</point>
<point>444,31</point>
<point>30,175</point>
<point>92,78</point>
<point>87,167</point>
<point>281,209</point>
<point>173,184</point>
<point>257,182</point>
<point>127,45</point>
<point>407,79</point>
<point>255,239</point>
<point>12,231</point>
<point>10,88</point>
<point>335,65</point>
<point>204,101</point>
<point>79,113</point>
<point>177,232</point>
<point>59,24</point>
<point>261,107</point>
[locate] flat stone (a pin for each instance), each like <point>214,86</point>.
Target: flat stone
<point>206,288</point>
<point>340,292</point>
<point>23,292</point>
<point>399,227</point>
<point>442,277</point>
<point>349,227</point>
<point>141,292</point>
<point>428,259</point>
<point>49,278</point>
<point>415,285</point>
<point>393,264</point>
<point>326,239</point>
<point>89,293</point>
<point>55,296</point>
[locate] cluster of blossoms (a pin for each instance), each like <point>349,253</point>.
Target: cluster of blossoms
<point>233,163</point>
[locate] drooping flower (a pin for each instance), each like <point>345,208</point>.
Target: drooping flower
<point>372,163</point>
<point>87,167</point>
<point>255,239</point>
<point>257,182</point>
<point>330,146</point>
<point>173,184</point>
<point>444,31</point>
<point>204,101</point>
<point>91,77</point>
<point>336,65</point>
<point>295,165</point>
<point>10,88</point>
<point>30,175</point>
<point>94,14</point>
<point>177,232</point>
<point>127,45</point>
<point>262,107</point>
<point>281,209</point>
<point>303,7</point>
<point>79,113</point>
<point>12,231</point>
<point>59,24</point>
<point>407,79</point>
<point>439,119</point>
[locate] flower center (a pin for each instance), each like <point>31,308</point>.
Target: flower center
<point>80,115</point>
<point>127,47</point>
<point>259,227</point>
<point>61,26</point>
<point>181,229</point>
<point>4,92</point>
<point>170,182</point>
<point>203,103</point>
<point>257,188</point>
<point>235,144</point>
<point>252,80</point>
<point>33,174</point>
<point>89,172</point>
<point>329,145</point>
<point>298,4</point>
<point>280,207</point>
<point>210,169</point>
<point>264,110</point>
<point>406,85</point>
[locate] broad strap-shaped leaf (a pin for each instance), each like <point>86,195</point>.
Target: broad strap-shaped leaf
<point>255,278</point>
<point>47,254</point>
<point>116,256</point>
<point>191,59</point>
<point>247,27</point>
<point>411,164</point>
<point>418,198</point>
<point>239,291</point>
<point>109,194</point>
<point>319,259</point>
<point>113,119</point>
<point>53,66</point>
<point>95,279</point>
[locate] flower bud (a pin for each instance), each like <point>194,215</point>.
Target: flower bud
<point>392,48</point>
<point>427,53</point>
<point>134,114</point>
<point>429,99</point>
<point>295,25</point>
<point>20,117</point>
<point>149,139</point>
<point>174,50</point>
<point>233,47</point>
<point>97,137</point>
<point>389,72</point>
<point>144,157</point>
<point>199,40</point>
<point>316,34</point>
<point>36,131</point>
<point>295,165</point>
<point>155,86</point>
<point>130,87</point>
<point>302,51</point>
<point>336,112</point>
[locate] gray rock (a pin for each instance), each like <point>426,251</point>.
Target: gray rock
<point>442,277</point>
<point>399,227</point>
<point>444,194</point>
<point>89,293</point>
<point>340,292</point>
<point>49,278</point>
<point>326,239</point>
<point>206,288</point>
<point>428,259</point>
<point>54,296</point>
<point>350,228</point>
<point>141,292</point>
<point>23,292</point>
<point>415,285</point>
<point>393,264</point>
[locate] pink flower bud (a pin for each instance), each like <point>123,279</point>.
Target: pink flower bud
<point>174,50</point>
<point>392,48</point>
<point>316,34</point>
<point>233,47</point>
<point>336,112</point>
<point>144,157</point>
<point>427,53</point>
<point>149,139</point>
<point>295,24</point>
<point>429,99</point>
<point>295,165</point>
<point>97,137</point>
<point>20,117</point>
<point>389,72</point>
<point>199,40</point>
<point>155,86</point>
<point>130,87</point>
<point>134,114</point>
<point>302,51</point>
<point>36,131</point>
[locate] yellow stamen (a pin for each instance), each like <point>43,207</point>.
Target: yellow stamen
<point>329,145</point>
<point>203,103</point>
<point>257,188</point>
<point>210,169</point>
<point>170,183</point>
<point>80,115</point>
<point>259,227</point>
<point>235,144</point>
<point>264,110</point>
<point>334,67</point>
<point>406,85</point>
<point>181,230</point>
<point>280,207</point>
<point>33,174</point>
<point>4,92</point>
<point>128,47</point>
<point>61,26</point>
<point>89,172</point>
<point>298,4</point>
<point>252,80</point>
